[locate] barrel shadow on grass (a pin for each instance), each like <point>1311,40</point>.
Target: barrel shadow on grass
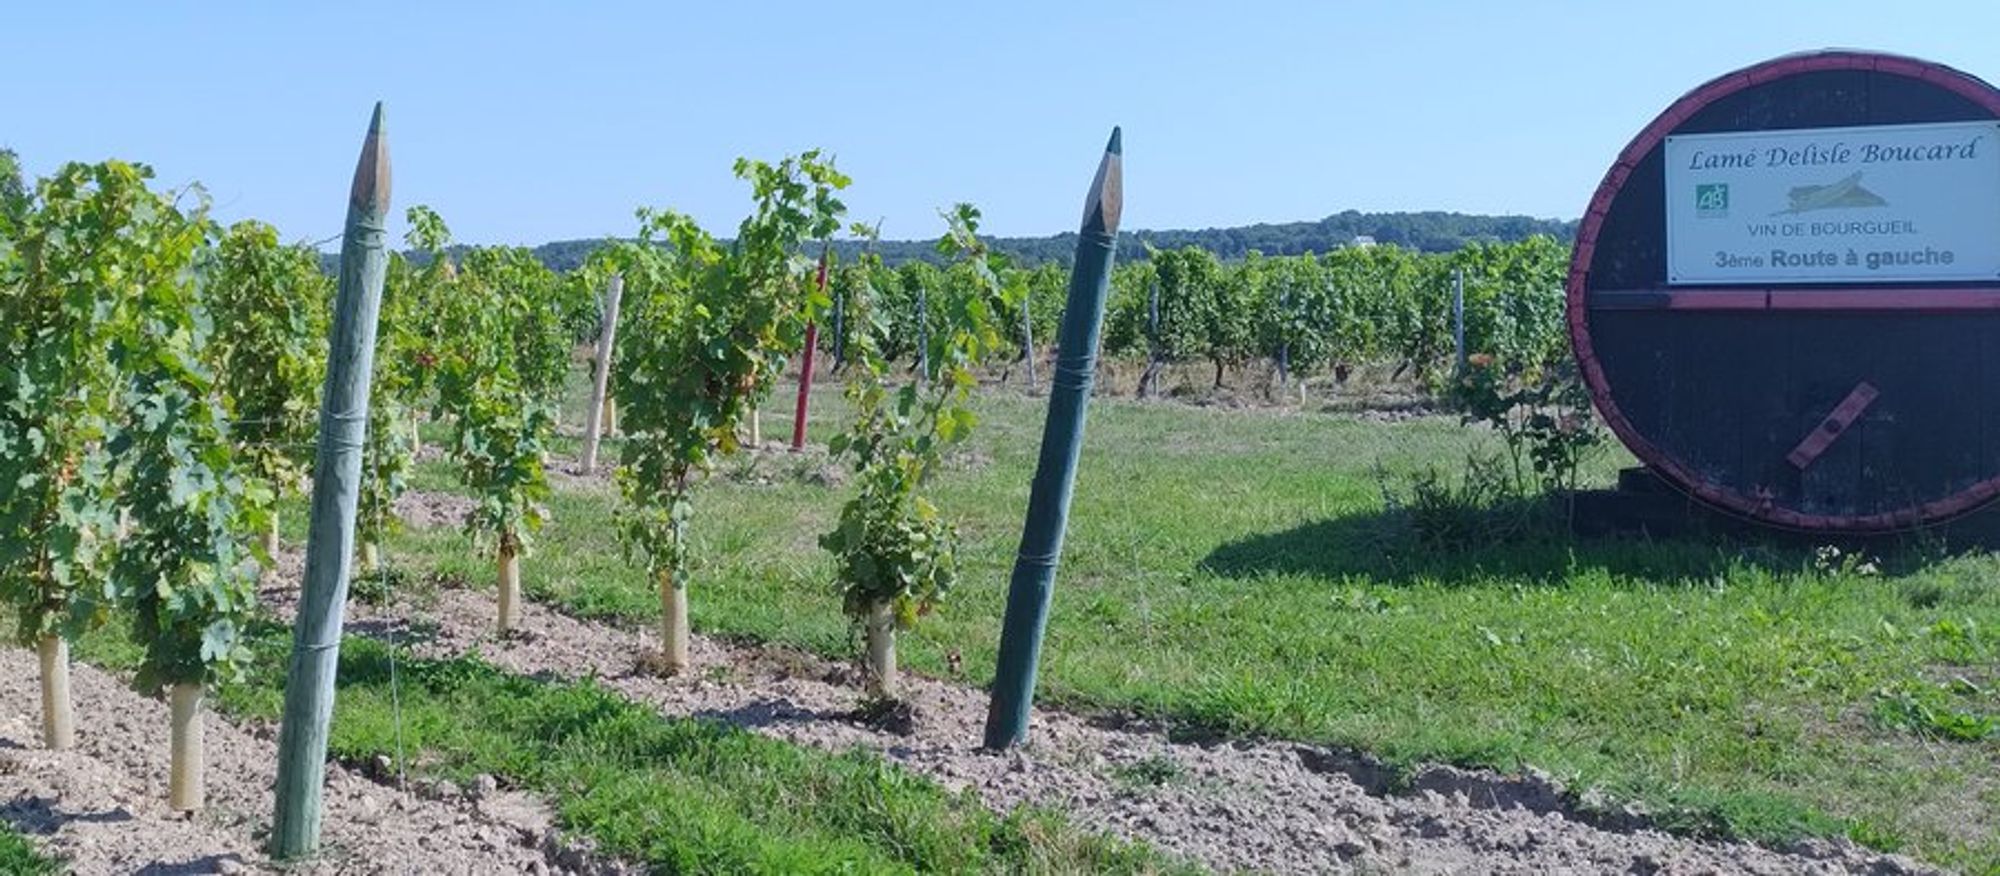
<point>1522,542</point>
<point>1521,545</point>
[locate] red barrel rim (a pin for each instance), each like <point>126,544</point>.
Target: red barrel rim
<point>1649,138</point>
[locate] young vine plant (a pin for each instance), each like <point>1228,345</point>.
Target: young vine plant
<point>896,555</point>
<point>409,343</point>
<point>709,330</point>
<point>500,382</point>
<point>270,306</point>
<point>119,482</point>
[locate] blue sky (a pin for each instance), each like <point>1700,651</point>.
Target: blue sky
<point>523,123</point>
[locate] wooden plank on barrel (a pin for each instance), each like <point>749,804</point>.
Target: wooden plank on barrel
<point>1888,478</point>
<point>1830,428</point>
<point>1986,402</point>
<point>1879,435</point>
<point>1717,357</point>
<point>1944,363</point>
<point>1771,424</point>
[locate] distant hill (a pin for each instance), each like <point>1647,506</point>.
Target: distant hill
<point>1430,231</point>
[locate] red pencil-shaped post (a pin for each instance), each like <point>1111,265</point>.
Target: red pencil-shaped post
<point>806,370</point>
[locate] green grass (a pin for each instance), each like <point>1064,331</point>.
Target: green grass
<point>19,857</point>
<point>732,801</point>
<point>682,796</point>
<point>1237,570</point>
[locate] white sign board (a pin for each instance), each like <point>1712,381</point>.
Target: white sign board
<point>1888,203</point>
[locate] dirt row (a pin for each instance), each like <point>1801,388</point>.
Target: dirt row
<point>102,806</point>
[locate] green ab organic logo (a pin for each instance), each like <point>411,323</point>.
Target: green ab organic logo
<point>1711,200</point>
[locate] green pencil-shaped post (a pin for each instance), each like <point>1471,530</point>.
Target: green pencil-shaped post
<point>1062,442</point>
<point>343,424</point>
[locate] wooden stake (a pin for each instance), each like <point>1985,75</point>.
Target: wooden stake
<point>1149,380</point>
<point>756,429</point>
<point>510,585</point>
<point>1458,318</point>
<point>923,333</point>
<point>673,624</point>
<point>185,782</point>
<point>602,415</point>
<point>271,542</point>
<point>1032,586</point>
<point>883,681</point>
<point>1285,346</point>
<point>371,558</point>
<point>1028,342</point>
<point>58,721</point>
<point>336,493</point>
<point>806,366</point>
<point>805,387</point>
<point>839,331</point>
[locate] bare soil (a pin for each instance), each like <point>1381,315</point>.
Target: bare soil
<point>102,806</point>
<point>427,510</point>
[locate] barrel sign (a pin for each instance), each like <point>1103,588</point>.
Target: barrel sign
<point>1890,203</point>
<point>1785,295</point>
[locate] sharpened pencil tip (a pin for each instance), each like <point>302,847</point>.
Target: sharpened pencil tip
<point>370,191</point>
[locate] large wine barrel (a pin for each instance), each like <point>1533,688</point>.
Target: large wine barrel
<point>1833,363</point>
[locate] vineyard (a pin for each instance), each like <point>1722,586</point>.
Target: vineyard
<point>1326,314</point>
<point>717,656</point>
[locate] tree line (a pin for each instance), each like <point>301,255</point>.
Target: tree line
<point>1428,231</point>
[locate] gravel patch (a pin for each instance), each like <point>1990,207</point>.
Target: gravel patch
<point>102,806</point>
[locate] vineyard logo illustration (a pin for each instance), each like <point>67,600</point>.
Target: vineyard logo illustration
<point>1847,192</point>
<point>1711,200</point>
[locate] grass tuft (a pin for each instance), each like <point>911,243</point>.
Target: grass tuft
<point>19,857</point>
